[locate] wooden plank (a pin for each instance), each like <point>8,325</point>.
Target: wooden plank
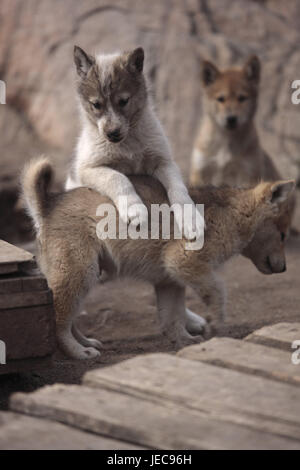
<point>8,268</point>
<point>279,336</point>
<point>10,284</point>
<point>20,432</point>
<point>12,254</point>
<point>25,299</point>
<point>144,422</point>
<point>13,258</point>
<point>225,394</point>
<point>28,332</point>
<point>33,283</point>
<point>13,283</point>
<point>245,357</point>
<point>27,266</point>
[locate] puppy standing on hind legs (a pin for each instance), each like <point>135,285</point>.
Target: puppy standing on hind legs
<point>121,136</point>
<point>70,251</point>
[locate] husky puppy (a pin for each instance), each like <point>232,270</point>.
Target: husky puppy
<point>227,148</point>
<point>72,255</point>
<point>121,136</point>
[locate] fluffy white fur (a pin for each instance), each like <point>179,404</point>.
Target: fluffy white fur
<point>99,163</point>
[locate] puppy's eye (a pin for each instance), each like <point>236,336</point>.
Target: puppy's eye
<point>123,102</point>
<point>242,98</point>
<point>282,235</point>
<point>96,105</point>
<point>221,99</point>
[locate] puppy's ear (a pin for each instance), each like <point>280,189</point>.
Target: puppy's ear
<point>135,60</point>
<point>209,73</point>
<point>281,191</point>
<point>274,193</point>
<point>252,69</point>
<point>83,61</point>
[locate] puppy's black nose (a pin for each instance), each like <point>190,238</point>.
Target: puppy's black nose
<point>231,122</point>
<point>114,136</point>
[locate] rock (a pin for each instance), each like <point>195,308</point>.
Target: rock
<point>36,42</point>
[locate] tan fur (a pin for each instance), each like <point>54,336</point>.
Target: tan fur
<point>73,258</point>
<point>226,154</point>
<point>35,180</point>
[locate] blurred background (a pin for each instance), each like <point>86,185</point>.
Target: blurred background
<point>36,63</point>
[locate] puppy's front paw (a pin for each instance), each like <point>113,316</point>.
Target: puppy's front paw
<point>189,220</point>
<point>133,211</point>
<point>138,214</point>
<point>193,226</point>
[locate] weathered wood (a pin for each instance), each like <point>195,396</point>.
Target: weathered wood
<point>34,283</point>
<point>145,422</point>
<point>10,284</point>
<point>25,299</point>
<point>20,432</point>
<point>13,283</point>
<point>28,332</point>
<point>279,336</point>
<point>8,268</point>
<point>245,357</point>
<point>225,394</point>
<point>13,258</point>
<point>27,318</point>
<point>12,254</point>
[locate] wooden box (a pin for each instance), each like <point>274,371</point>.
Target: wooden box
<point>27,318</point>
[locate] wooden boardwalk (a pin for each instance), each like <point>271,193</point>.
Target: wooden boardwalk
<point>221,394</point>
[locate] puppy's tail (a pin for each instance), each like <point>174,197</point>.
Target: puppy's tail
<point>36,180</point>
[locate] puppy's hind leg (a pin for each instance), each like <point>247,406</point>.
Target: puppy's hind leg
<point>172,314</point>
<point>195,324</point>
<point>211,291</point>
<point>94,343</point>
<point>69,289</point>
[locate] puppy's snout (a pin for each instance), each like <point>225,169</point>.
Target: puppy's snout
<point>114,135</point>
<point>276,264</point>
<point>231,122</point>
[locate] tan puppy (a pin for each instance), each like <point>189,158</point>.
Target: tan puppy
<point>72,256</point>
<point>227,149</point>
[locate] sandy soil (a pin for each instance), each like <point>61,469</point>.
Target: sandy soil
<point>122,314</point>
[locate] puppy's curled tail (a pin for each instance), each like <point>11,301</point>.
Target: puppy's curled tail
<point>36,181</point>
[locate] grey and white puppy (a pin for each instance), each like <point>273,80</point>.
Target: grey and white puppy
<point>121,136</point>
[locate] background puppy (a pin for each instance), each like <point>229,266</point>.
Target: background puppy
<point>227,148</point>
<point>121,135</point>
<point>72,256</point>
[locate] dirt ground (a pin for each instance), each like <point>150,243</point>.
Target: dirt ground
<point>122,314</point>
